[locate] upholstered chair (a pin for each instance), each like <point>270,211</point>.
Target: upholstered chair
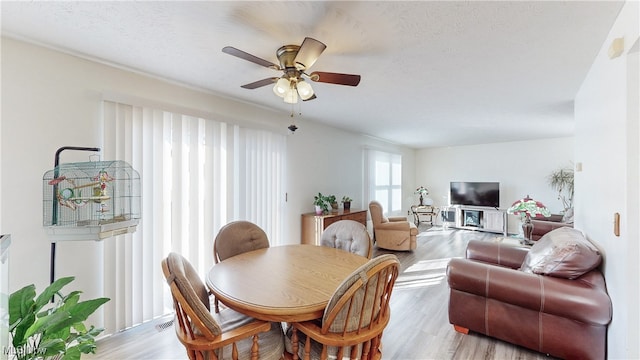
<point>238,237</point>
<point>354,319</point>
<point>224,335</point>
<point>392,233</point>
<point>235,238</point>
<point>350,236</point>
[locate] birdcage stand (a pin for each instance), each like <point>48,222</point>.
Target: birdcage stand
<point>52,269</point>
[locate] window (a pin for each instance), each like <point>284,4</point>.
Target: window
<point>197,175</point>
<point>384,179</point>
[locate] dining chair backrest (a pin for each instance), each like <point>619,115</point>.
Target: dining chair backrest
<point>238,237</point>
<point>229,335</point>
<point>348,235</point>
<point>362,299</point>
<point>355,316</point>
<point>191,298</point>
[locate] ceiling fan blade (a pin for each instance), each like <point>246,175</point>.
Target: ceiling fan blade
<point>246,56</point>
<point>335,78</point>
<point>260,83</point>
<point>308,53</point>
<point>311,98</point>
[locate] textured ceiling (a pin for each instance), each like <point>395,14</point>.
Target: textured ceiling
<point>433,73</point>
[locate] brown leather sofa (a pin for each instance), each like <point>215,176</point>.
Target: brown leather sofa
<point>542,226</point>
<point>393,232</point>
<point>561,308</point>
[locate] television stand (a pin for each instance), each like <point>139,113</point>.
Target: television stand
<point>475,218</point>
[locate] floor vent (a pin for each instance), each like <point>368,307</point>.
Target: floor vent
<point>164,326</point>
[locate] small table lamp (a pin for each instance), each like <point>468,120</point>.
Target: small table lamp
<point>422,191</point>
<point>528,207</point>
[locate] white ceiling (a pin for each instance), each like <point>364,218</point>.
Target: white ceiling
<point>433,73</point>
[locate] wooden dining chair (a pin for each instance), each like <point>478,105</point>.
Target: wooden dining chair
<point>235,238</point>
<point>224,335</point>
<point>350,236</point>
<point>354,318</point>
<point>238,237</point>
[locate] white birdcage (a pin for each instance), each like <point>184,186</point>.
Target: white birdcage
<point>91,200</point>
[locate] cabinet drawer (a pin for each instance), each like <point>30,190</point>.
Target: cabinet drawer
<point>330,220</point>
<point>360,217</point>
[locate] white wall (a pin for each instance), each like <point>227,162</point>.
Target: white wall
<point>330,161</point>
<point>607,137</point>
<point>51,99</point>
<point>522,168</point>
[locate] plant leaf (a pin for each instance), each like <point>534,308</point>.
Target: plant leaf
<point>20,303</point>
<point>73,353</point>
<point>51,290</point>
<point>18,332</point>
<point>48,322</point>
<point>51,347</point>
<point>94,331</point>
<point>80,312</point>
<point>72,298</point>
<point>64,334</point>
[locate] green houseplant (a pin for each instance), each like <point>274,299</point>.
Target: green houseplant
<point>51,325</point>
<point>331,199</point>
<point>561,181</point>
<point>346,202</point>
<point>321,204</point>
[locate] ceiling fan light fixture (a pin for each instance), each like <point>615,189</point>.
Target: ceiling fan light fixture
<point>291,97</point>
<point>281,87</point>
<point>294,62</point>
<point>304,90</point>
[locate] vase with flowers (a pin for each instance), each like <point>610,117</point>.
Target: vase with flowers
<point>526,208</point>
<point>422,191</point>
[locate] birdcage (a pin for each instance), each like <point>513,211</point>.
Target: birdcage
<point>91,200</point>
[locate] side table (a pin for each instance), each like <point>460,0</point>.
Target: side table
<point>429,213</point>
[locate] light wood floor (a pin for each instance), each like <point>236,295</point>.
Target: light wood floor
<point>419,326</point>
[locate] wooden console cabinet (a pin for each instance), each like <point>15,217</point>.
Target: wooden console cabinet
<point>313,225</point>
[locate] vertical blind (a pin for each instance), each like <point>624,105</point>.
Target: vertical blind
<point>197,175</point>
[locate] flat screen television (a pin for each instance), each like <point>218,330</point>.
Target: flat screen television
<point>475,193</point>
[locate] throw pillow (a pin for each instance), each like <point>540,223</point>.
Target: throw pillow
<point>563,252</point>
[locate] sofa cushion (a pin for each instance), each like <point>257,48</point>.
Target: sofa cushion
<point>563,252</point>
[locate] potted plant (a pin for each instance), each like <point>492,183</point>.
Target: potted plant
<point>346,202</point>
<point>561,181</point>
<point>331,199</point>
<point>320,202</point>
<point>51,325</point>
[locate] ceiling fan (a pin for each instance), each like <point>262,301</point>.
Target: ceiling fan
<point>294,62</point>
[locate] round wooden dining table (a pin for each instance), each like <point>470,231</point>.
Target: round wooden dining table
<point>289,283</point>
